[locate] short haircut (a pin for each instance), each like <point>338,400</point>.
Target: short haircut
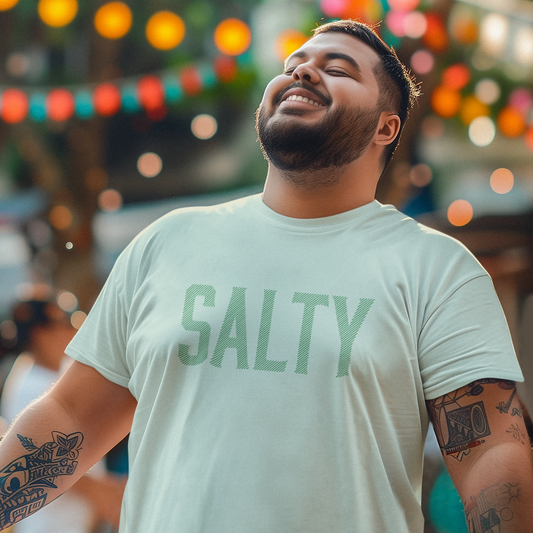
<point>401,93</point>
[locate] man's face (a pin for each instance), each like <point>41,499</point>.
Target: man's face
<point>323,110</point>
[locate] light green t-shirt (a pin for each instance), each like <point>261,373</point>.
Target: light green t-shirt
<point>281,365</point>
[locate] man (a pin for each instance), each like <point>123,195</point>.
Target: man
<point>275,354</point>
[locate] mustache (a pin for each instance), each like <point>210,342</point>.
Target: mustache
<point>300,85</point>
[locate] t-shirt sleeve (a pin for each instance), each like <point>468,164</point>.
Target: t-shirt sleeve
<point>466,338</point>
<point>101,341</point>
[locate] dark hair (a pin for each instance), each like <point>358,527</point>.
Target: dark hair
<point>401,93</point>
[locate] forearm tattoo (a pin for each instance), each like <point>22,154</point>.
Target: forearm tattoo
<point>492,507</point>
<point>461,424</point>
<point>24,483</point>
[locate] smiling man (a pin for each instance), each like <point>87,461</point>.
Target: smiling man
<point>278,358</point>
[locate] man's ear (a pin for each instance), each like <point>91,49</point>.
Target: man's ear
<point>388,128</point>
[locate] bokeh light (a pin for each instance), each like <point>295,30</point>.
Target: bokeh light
<point>225,68</point>
<point>487,91</point>
<point>511,122</point>
<point>415,25</point>
<point>60,104</point>
<point>57,13</point>
<point>69,245</point>
<point>110,200</point>
<point>422,62</point>
<point>77,319</point>
<point>204,126</point>
<point>107,99</point>
<point>60,217</point>
<point>165,30</point>
<point>460,213</point>
<point>113,20</point>
<point>403,5</point>
<point>501,180</point>
<point>67,301</point>
<point>523,46</point>
<point>494,30</point>
<point>432,127</point>
<point>456,76</point>
<point>436,36</point>
<point>445,101</point>
<point>149,165</point>
<point>482,131</point>
<point>421,175</point>
<point>521,99</point>
<point>7,4</point>
<point>528,137</point>
<point>464,27</point>
<point>14,106</point>
<point>395,22</point>
<point>232,37</point>
<point>190,80</point>
<point>287,42</point>
<point>472,108</point>
<point>333,8</point>
<point>151,92</point>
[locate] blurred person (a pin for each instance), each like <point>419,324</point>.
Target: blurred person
<point>43,331</point>
<point>278,358</point>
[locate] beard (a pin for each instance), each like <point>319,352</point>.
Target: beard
<point>296,148</point>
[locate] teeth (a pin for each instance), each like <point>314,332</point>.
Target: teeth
<point>303,99</point>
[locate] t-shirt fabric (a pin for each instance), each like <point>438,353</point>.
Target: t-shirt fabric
<point>281,366</point>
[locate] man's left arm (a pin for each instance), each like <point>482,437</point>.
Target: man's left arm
<point>483,438</point>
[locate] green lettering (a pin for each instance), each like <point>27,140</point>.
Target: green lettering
<point>235,314</point>
<point>187,321</point>
<point>348,331</point>
<point>261,361</point>
<point>310,302</point>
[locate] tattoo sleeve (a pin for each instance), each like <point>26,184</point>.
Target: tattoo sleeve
<point>25,482</point>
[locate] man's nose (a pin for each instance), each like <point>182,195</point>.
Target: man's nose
<point>305,72</point>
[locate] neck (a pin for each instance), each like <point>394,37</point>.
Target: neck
<point>319,194</point>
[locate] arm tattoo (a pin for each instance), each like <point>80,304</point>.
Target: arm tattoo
<point>459,427</point>
<point>24,482</point>
<point>493,506</point>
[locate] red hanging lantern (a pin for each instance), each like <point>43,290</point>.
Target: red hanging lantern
<point>60,104</point>
<point>151,92</point>
<point>107,99</point>
<point>190,80</point>
<point>14,106</point>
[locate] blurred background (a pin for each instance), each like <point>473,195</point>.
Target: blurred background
<point>113,113</point>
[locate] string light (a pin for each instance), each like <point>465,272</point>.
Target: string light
<point>482,131</point>
<point>511,122</point>
<point>502,181</point>
<point>110,200</point>
<point>60,104</point>
<point>165,30</point>
<point>113,20</point>
<point>149,165</point>
<point>422,62</point>
<point>473,108</point>
<point>60,217</point>
<point>5,5</point>
<point>14,106</point>
<point>287,42</point>
<point>57,13</point>
<point>204,126</point>
<point>232,37</point>
<point>445,101</point>
<point>107,99</point>
<point>460,213</point>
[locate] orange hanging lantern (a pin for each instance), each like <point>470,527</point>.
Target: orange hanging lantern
<point>151,92</point>
<point>60,105</point>
<point>107,99</point>
<point>14,106</point>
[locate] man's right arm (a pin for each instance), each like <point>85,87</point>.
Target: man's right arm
<point>58,438</point>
